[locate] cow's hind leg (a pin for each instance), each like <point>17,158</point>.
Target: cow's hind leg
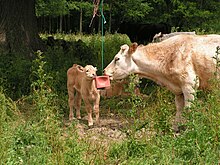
<point>179,102</point>
<point>77,104</point>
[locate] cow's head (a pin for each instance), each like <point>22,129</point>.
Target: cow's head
<point>122,65</point>
<point>90,71</point>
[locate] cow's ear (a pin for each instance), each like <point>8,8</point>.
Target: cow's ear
<point>133,47</point>
<point>124,48</point>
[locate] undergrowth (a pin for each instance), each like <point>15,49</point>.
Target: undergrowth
<point>34,128</point>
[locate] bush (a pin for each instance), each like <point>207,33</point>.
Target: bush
<point>15,71</point>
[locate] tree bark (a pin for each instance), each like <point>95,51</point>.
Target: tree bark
<point>18,26</point>
<point>80,20</point>
<point>110,17</point>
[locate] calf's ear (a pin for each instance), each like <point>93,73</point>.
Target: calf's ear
<point>132,48</point>
<point>80,68</point>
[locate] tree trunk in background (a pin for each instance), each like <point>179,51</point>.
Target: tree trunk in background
<point>80,21</point>
<point>18,26</point>
<point>110,17</point>
<point>61,23</point>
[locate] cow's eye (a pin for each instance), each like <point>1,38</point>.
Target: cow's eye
<point>116,59</point>
<point>87,70</point>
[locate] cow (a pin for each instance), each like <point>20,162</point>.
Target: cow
<point>160,36</point>
<point>181,63</point>
<point>81,85</point>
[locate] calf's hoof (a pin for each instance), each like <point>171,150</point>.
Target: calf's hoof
<point>90,124</point>
<point>71,118</point>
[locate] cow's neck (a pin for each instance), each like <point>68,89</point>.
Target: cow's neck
<point>152,66</point>
<point>146,64</point>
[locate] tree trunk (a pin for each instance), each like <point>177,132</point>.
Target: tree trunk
<point>18,26</point>
<point>110,17</point>
<point>80,21</point>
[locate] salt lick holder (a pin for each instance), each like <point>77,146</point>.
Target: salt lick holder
<point>102,81</point>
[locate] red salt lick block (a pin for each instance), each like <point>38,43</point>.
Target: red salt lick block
<point>102,81</point>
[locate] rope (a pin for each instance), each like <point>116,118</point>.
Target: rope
<point>103,39</point>
<point>95,10</point>
<point>96,6</point>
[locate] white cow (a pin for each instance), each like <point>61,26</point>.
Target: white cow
<point>181,63</point>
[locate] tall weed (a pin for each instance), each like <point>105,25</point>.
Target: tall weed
<point>9,114</point>
<point>41,137</point>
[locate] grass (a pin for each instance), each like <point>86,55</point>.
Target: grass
<point>34,129</point>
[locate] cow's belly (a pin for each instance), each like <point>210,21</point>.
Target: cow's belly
<point>173,87</point>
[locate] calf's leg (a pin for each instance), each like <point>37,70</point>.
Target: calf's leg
<point>89,111</point>
<point>71,102</point>
<point>96,109</point>
<point>77,104</point>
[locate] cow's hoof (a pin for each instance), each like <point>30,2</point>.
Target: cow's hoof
<point>179,129</point>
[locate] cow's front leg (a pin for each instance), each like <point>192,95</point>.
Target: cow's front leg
<point>189,93</point>
<point>96,108</point>
<point>183,101</point>
<point>89,111</point>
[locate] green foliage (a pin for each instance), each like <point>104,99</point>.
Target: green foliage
<point>14,73</point>
<point>186,14</point>
<point>34,130</point>
<point>51,7</point>
<point>199,144</point>
<point>132,10</point>
<point>39,137</point>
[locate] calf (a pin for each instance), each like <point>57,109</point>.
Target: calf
<point>81,85</point>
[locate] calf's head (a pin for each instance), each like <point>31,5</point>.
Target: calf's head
<point>90,71</point>
<point>122,65</point>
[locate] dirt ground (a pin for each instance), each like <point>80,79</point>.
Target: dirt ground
<point>110,128</point>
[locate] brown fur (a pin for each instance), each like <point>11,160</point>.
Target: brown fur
<point>80,84</point>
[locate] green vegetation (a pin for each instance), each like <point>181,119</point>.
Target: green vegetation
<point>185,14</point>
<point>34,128</point>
